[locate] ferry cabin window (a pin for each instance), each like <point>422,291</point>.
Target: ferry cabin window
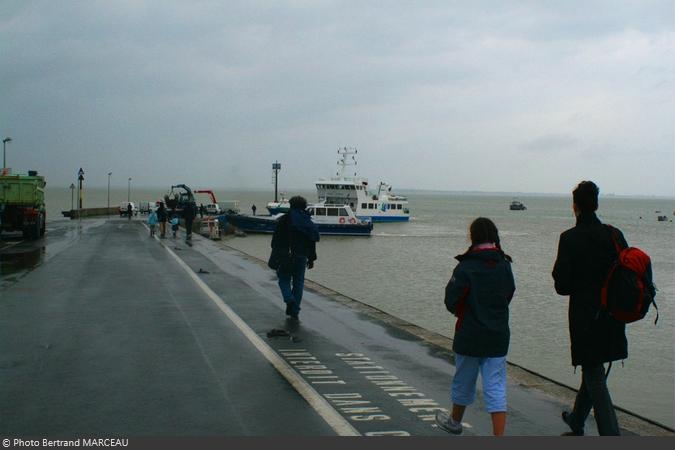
<point>370,206</point>
<point>343,212</point>
<point>332,211</point>
<point>351,205</point>
<point>398,206</point>
<point>320,211</point>
<point>364,205</point>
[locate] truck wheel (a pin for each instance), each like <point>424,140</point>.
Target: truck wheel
<point>44,225</point>
<point>35,229</point>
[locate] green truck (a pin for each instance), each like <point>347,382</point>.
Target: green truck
<point>22,204</point>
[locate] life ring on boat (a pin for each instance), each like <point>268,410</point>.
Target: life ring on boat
<point>342,220</point>
<point>352,220</point>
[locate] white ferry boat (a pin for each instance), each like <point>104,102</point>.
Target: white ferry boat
<point>379,206</point>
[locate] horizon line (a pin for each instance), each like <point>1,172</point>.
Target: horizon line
<point>448,191</point>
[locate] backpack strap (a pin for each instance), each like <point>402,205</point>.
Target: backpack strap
<point>614,235</point>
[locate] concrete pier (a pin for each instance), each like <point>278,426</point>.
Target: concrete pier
<point>104,329</point>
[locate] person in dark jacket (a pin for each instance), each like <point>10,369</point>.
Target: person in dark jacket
<point>479,294</point>
<point>585,254</point>
<point>189,214</point>
<point>296,236</point>
<point>162,216</point>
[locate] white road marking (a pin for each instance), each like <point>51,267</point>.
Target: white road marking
<point>338,423</point>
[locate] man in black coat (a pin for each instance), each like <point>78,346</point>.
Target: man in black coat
<point>585,254</point>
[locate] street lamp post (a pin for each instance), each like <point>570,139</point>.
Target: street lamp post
<point>129,191</point>
<point>80,178</point>
<point>109,173</point>
<point>72,195</point>
<point>4,144</point>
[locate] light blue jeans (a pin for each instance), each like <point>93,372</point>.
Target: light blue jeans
<point>293,283</point>
<point>492,372</point>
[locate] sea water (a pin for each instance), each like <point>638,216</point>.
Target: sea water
<point>403,269</point>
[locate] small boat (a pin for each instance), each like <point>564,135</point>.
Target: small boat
<point>517,206</point>
<point>280,206</point>
<point>330,220</point>
<point>662,218</point>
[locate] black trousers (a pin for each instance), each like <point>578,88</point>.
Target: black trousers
<point>593,393</point>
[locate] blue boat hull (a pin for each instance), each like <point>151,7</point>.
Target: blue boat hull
<point>277,210</point>
<point>386,218</point>
<point>267,224</point>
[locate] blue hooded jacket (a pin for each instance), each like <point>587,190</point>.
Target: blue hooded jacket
<point>297,234</point>
<point>479,294</point>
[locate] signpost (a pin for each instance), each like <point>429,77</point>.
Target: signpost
<point>276,167</point>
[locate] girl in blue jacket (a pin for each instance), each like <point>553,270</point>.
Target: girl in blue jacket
<point>478,294</point>
<point>152,222</point>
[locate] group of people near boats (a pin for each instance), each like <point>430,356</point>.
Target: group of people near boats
<point>162,215</point>
<point>479,293</point>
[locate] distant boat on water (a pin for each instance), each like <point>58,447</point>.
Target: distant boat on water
<point>517,205</point>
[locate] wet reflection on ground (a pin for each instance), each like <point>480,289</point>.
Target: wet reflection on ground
<point>20,259</point>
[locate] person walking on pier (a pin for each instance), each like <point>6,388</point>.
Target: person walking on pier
<point>130,210</point>
<point>189,214</point>
<point>585,254</point>
<point>152,222</point>
<point>253,208</point>
<point>174,223</point>
<point>479,294</point>
<point>295,238</point>
<point>162,216</point>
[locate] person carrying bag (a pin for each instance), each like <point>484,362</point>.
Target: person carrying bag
<point>293,251</point>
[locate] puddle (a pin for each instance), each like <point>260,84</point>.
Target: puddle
<point>20,260</point>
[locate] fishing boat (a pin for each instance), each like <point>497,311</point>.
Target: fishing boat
<point>330,220</point>
<point>379,206</point>
<point>517,206</point>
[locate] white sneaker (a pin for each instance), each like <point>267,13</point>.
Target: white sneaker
<point>446,422</point>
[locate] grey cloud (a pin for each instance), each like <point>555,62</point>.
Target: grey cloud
<point>551,143</point>
<point>216,88</point>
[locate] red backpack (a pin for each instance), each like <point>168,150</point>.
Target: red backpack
<point>628,290</point>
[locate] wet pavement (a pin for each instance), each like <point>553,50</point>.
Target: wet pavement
<point>104,329</point>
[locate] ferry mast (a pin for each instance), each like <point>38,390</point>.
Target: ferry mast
<point>345,160</point>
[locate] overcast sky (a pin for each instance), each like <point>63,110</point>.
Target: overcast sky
<point>445,95</point>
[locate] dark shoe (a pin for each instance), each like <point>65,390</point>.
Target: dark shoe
<point>289,309</point>
<point>567,419</point>
<point>276,332</point>
<point>294,316</point>
<point>445,421</point>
